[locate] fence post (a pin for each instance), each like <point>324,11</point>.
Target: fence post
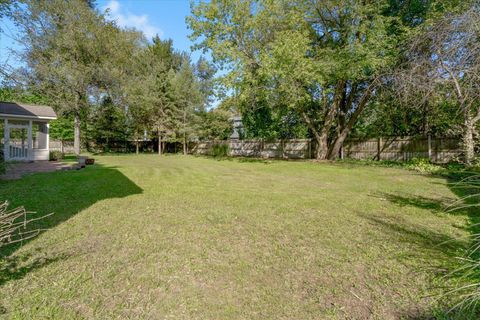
<point>262,147</point>
<point>379,148</point>
<point>429,139</point>
<point>309,149</point>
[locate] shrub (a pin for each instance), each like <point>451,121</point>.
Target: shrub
<point>56,155</point>
<point>219,150</point>
<point>423,165</point>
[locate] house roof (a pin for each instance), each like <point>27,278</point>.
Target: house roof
<point>21,110</point>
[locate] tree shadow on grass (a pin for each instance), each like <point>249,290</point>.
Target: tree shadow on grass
<point>465,205</point>
<point>422,237</point>
<point>65,193</point>
<point>439,253</point>
<point>432,204</point>
<point>17,266</point>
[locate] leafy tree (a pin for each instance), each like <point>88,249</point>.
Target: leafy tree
<point>444,64</point>
<point>150,92</point>
<point>187,99</point>
<point>17,94</point>
<point>205,73</point>
<point>215,124</point>
<point>389,115</point>
<point>109,125</point>
<point>62,129</point>
<point>166,93</point>
<point>71,51</point>
<point>323,59</point>
<point>277,123</point>
<point>166,53</point>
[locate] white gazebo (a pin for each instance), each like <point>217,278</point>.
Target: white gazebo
<point>25,131</point>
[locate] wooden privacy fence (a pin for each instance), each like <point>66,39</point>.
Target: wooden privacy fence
<point>440,150</point>
<point>56,145</point>
<point>280,149</point>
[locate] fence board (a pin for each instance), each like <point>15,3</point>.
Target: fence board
<point>388,148</point>
<point>440,150</point>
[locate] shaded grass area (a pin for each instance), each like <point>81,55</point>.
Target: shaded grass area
<point>196,238</point>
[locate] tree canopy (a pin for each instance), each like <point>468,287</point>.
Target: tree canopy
<point>91,70</point>
<point>320,69</point>
<point>323,60</point>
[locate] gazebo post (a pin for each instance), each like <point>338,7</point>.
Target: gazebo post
<point>47,128</point>
<point>29,140</point>
<point>6,138</point>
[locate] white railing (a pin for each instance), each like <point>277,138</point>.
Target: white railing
<point>18,151</point>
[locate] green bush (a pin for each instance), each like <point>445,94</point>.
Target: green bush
<point>219,150</point>
<point>423,165</point>
<point>56,155</point>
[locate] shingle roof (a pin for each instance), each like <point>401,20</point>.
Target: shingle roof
<point>26,110</point>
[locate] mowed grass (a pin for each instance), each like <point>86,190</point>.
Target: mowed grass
<point>173,237</point>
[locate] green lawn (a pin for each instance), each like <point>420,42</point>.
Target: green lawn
<point>149,237</point>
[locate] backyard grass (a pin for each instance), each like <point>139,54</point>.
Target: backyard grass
<point>149,237</point>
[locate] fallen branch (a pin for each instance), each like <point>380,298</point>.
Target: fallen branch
<point>13,225</point>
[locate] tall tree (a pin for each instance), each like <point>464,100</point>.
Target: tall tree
<point>69,49</point>
<point>187,98</point>
<point>205,73</point>
<point>215,124</point>
<point>109,125</point>
<point>150,92</point>
<point>323,59</point>
<point>444,63</point>
<point>62,130</point>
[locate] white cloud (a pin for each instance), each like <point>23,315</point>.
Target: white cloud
<point>128,19</point>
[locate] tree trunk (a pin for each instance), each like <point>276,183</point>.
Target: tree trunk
<point>62,149</point>
<point>468,142</point>
<point>322,147</point>
<point>137,151</point>
<point>321,138</point>
<point>184,132</point>
<point>185,151</point>
<point>334,151</point>
<point>76,133</point>
<point>159,142</point>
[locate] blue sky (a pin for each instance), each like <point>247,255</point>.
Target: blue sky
<point>163,17</point>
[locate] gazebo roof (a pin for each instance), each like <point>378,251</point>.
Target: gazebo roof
<point>26,111</point>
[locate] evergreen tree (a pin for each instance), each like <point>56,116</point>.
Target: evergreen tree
<point>71,51</point>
